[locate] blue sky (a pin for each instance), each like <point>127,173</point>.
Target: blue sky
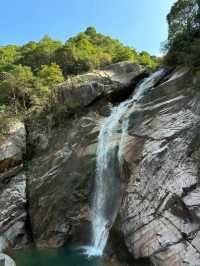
<point>137,23</point>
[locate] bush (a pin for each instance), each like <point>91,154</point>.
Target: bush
<point>16,86</point>
<point>50,75</point>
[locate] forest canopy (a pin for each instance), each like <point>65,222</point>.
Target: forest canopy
<point>84,52</point>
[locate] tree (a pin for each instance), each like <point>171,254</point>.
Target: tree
<point>146,59</point>
<point>184,17</point>
<point>65,58</point>
<point>17,86</point>
<point>77,55</point>
<point>184,34</point>
<point>124,53</point>
<point>50,75</point>
<point>8,54</point>
<point>91,31</point>
<point>36,54</point>
<point>89,50</point>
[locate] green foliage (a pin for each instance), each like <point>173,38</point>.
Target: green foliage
<point>184,17</point>
<point>29,72</point>
<point>8,54</point>
<point>79,54</point>
<point>50,75</point>
<point>184,34</point>
<point>7,117</point>
<point>147,60</point>
<point>89,50</point>
<point>84,52</point>
<point>37,54</point>
<point>17,86</point>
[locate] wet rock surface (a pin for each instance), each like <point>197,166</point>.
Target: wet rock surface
<point>160,209</point>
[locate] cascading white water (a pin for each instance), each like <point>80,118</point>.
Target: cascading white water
<point>107,196</point>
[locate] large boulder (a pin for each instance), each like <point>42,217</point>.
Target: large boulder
<point>160,212</point>
<point>82,90</point>
<point>123,72</point>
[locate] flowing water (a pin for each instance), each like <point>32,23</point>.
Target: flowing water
<point>108,185</point>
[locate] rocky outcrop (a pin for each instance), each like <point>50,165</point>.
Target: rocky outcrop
<point>12,188</point>
<point>6,260</point>
<point>78,94</point>
<point>13,212</point>
<point>82,90</point>
<point>123,72</point>
<point>12,148</point>
<point>160,209</point>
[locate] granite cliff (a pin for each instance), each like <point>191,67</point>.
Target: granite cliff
<point>47,170</point>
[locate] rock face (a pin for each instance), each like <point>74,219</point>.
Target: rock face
<point>12,148</point>
<point>159,218</point>
<point>13,211</point>
<point>160,212</point>
<point>12,188</point>
<point>61,171</point>
<point>60,181</point>
<point>61,176</point>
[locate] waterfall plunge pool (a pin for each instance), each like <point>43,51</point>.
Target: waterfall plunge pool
<point>58,257</point>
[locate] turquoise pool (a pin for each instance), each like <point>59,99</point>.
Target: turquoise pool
<point>57,257</point>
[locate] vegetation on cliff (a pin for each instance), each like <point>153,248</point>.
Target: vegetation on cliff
<point>29,72</point>
<point>183,43</point>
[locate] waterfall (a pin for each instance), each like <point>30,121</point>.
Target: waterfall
<point>108,186</point>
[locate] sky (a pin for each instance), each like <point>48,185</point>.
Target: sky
<point>138,23</point>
